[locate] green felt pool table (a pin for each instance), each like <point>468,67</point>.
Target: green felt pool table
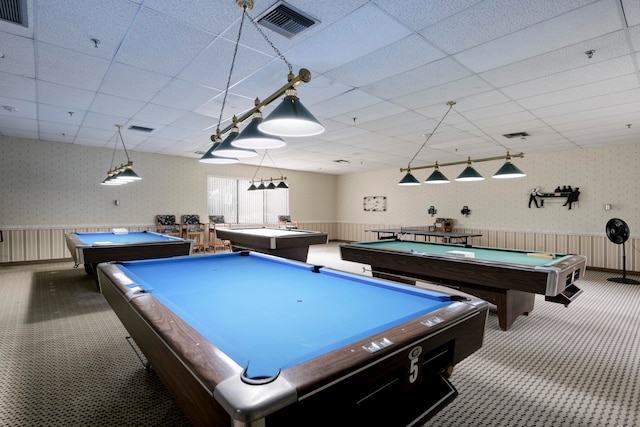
<point>249,339</point>
<point>508,278</point>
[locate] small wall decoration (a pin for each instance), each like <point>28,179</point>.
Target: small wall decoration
<point>465,211</point>
<point>375,203</point>
<point>432,210</point>
<point>571,194</point>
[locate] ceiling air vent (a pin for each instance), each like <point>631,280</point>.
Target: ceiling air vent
<point>140,128</point>
<point>286,20</point>
<point>14,11</point>
<point>516,135</point>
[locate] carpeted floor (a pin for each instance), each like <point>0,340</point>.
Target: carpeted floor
<point>64,360</point>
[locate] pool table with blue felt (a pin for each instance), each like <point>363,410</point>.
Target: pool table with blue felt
<point>249,339</point>
<point>92,248</point>
<point>508,278</point>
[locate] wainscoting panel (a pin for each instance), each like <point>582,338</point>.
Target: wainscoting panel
<point>45,244</point>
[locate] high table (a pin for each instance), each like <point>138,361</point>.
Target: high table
<point>287,243</point>
<point>508,278</point>
<point>93,248</point>
<point>248,339</point>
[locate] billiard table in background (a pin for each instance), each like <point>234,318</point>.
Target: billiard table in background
<point>93,248</point>
<point>287,243</point>
<point>248,339</point>
<point>508,278</point>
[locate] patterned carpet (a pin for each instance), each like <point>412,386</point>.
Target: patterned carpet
<point>64,360</point>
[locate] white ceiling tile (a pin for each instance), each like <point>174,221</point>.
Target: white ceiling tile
<point>418,14</point>
<point>115,105</point>
<point>52,113</point>
<point>18,54</point>
<point>184,95</point>
<point>162,44</point>
<point>19,87</point>
<point>72,24</point>
<point>559,97</point>
<point>322,52</point>
<point>132,83</point>
<point>66,67</point>
<point>65,96</point>
<point>556,33</point>
<point>491,19</point>
<point>345,102</point>
<point>572,78</point>
<point>366,70</point>
<point>434,74</point>
<point>608,47</point>
<point>440,95</point>
<point>158,114</point>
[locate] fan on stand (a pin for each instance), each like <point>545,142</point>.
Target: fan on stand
<point>618,233</point>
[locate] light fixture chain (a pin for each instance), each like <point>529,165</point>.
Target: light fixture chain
<point>275,49</point>
<point>259,165</point>
<point>450,104</point>
<point>122,140</point>
<point>274,163</point>
<point>233,61</point>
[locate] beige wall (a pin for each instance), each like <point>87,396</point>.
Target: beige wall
<point>46,184</point>
<point>48,188</point>
<point>604,175</point>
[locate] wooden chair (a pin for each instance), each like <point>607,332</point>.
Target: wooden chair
<point>215,222</point>
<point>166,224</point>
<point>194,230</point>
<point>284,221</point>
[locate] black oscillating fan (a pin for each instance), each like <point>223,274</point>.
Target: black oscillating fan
<point>618,233</point>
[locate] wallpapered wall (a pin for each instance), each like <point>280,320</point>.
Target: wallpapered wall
<point>604,175</point>
<point>57,185</point>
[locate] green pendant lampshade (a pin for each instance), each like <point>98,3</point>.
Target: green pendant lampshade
<point>291,118</point>
<point>437,177</point>
<point>225,149</point>
<point>253,138</point>
<point>509,170</point>
<point>469,174</point>
<point>211,158</point>
<point>409,179</point>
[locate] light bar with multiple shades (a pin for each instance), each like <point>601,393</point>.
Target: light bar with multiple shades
<point>271,186</point>
<point>290,118</point>
<point>124,173</point>
<point>508,170</point>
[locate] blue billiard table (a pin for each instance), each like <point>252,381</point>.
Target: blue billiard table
<point>92,248</point>
<point>246,338</point>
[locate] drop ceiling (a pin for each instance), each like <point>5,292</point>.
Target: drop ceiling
<point>565,72</point>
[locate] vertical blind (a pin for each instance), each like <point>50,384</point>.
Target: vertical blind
<point>229,197</point>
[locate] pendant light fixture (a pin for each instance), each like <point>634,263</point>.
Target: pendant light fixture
<point>469,173</point>
<point>437,177</point>
<point>253,138</point>
<point>291,117</point>
<point>509,170</point>
<point>124,173</point>
<point>409,179</point>
<point>226,149</point>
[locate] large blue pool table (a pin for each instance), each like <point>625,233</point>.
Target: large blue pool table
<point>245,338</point>
<point>92,248</point>
<point>508,278</point>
